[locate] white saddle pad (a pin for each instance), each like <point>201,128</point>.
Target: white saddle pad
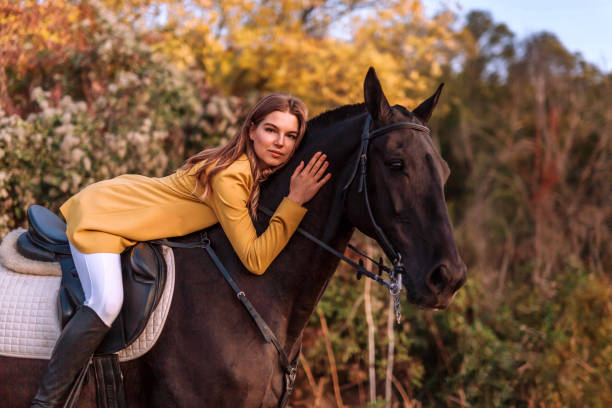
<point>29,323</point>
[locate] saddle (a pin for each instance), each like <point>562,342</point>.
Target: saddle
<point>144,277</point>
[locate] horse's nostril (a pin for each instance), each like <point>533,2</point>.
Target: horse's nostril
<point>437,279</point>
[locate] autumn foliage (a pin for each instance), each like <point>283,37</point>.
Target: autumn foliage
<point>93,89</point>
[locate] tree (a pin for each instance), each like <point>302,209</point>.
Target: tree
<point>247,46</point>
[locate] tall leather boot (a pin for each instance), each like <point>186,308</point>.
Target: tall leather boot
<point>79,339</point>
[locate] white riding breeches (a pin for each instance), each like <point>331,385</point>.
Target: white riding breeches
<point>101,278</point>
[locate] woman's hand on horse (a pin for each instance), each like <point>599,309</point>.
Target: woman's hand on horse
<point>308,179</point>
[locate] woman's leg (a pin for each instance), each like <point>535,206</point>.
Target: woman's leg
<point>100,275</point>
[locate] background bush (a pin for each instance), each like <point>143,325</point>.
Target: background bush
<point>139,114</point>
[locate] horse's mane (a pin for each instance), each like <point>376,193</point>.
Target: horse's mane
<point>342,113</point>
<point>334,115</point>
<point>315,125</point>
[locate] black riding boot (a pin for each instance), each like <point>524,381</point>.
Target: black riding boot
<point>75,346</point>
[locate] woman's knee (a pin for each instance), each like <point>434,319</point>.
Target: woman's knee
<point>106,299</point>
<point>107,305</point>
<point>111,306</point>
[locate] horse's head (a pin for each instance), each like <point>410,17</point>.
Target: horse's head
<point>405,185</point>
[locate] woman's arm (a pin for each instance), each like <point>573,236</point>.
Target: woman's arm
<point>229,201</point>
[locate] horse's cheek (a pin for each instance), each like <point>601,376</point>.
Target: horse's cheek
<point>398,193</point>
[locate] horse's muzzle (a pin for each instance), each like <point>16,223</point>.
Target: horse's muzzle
<point>443,281</point>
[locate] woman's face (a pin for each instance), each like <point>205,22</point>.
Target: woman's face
<point>274,138</point>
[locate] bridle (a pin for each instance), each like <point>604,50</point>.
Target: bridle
<point>396,271</point>
<point>394,284</point>
<point>366,137</point>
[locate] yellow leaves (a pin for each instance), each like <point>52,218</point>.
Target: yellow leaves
<point>177,50</point>
<point>294,45</point>
<point>287,45</point>
<point>268,49</point>
<point>29,29</point>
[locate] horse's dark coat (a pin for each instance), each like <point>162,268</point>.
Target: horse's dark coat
<point>210,353</point>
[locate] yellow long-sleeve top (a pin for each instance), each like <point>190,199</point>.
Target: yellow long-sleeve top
<point>111,215</point>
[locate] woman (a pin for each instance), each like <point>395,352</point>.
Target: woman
<point>216,185</point>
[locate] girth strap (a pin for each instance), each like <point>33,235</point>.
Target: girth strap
<point>110,392</point>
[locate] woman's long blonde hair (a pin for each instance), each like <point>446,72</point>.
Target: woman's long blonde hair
<point>223,156</point>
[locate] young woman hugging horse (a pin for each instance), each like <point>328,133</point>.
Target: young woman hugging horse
<point>218,185</point>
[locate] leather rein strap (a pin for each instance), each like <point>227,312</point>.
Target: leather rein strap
<point>361,270</point>
<point>395,283</point>
<point>366,136</point>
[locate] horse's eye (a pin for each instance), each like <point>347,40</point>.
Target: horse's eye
<point>396,164</point>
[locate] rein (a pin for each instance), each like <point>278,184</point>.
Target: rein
<point>366,136</point>
<point>394,284</point>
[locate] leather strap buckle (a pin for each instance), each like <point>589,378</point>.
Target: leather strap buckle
<point>204,240</point>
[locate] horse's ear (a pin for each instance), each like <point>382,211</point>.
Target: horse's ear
<point>424,110</point>
<point>375,99</point>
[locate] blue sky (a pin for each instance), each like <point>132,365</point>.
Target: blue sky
<point>582,26</point>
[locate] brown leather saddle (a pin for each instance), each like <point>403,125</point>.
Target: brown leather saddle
<point>144,277</point>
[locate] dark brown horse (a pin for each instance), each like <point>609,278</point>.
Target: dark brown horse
<point>210,353</point>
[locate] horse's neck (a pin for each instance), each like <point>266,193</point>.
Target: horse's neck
<point>305,284</point>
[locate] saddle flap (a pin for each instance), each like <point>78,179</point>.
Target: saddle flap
<point>71,293</point>
<point>144,277</point>
<point>144,264</point>
<point>143,274</point>
<point>46,227</point>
